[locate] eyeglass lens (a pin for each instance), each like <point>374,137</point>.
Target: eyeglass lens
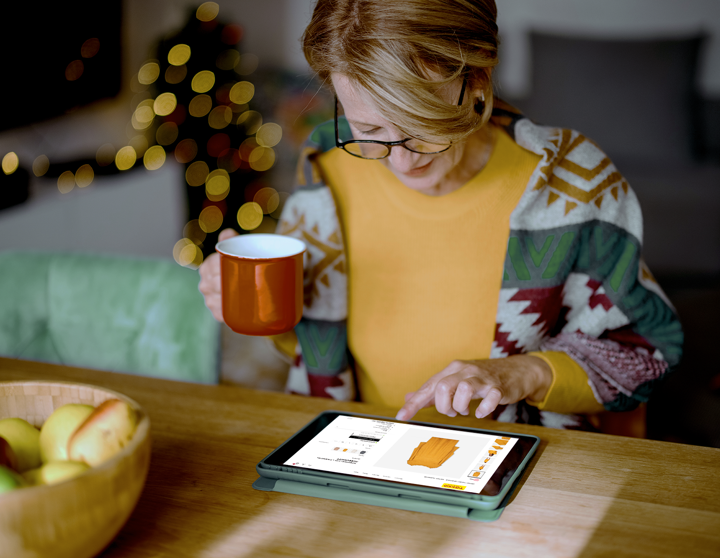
<point>379,151</point>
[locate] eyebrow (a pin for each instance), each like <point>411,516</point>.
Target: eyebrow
<point>355,123</point>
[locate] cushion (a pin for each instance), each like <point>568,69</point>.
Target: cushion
<point>140,316</point>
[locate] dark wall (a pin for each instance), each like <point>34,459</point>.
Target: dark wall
<point>41,40</point>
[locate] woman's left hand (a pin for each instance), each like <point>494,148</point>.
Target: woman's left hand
<point>495,381</point>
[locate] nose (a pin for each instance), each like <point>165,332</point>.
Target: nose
<point>403,160</point>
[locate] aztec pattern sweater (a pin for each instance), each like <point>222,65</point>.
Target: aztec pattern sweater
<point>574,279</point>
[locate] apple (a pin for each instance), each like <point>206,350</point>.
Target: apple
<point>7,455</point>
<point>54,472</point>
<point>104,433</point>
<point>9,480</point>
<point>57,429</point>
<point>24,439</point>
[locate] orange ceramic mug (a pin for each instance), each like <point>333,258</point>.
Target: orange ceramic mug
<point>262,283</point>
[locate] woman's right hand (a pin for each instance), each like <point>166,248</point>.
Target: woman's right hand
<point>210,279</point>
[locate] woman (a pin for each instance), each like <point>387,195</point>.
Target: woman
<point>458,250</point>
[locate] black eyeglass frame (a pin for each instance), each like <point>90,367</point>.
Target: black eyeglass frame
<point>388,144</point>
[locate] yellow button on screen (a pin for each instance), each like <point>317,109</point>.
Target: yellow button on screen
<point>454,486</point>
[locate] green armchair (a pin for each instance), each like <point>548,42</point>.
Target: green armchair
<point>139,316</point>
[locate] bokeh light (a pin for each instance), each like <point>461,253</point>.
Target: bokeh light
<point>269,135</point>
<point>166,133</point>
<point>219,117</point>
<point>207,11</point>
<point>84,176</point>
<point>249,216</point>
<point>125,158</point>
<point>148,73</point>
<point>193,232</point>
<point>139,98</point>
<point>217,144</point>
<point>187,253</point>
<point>90,48</point>
<point>247,65</point>
<point>141,125</point>
<point>66,182</point>
<point>242,92</point>
<point>165,104</point>
<point>262,158</point>
<point>222,94</point>
<point>179,55</point>
<point>251,120</point>
<point>144,114</point>
<point>177,116</point>
<point>227,59</point>
<point>41,165</point>
<point>154,158</point>
<point>179,245</point>
<point>175,74</point>
<point>229,160</point>
<point>238,108</point>
<point>136,86</point>
<point>203,81</point>
<point>217,184</point>
<point>74,70</point>
<point>197,173</point>
<point>185,151</point>
<point>10,162</point>
<point>278,212</point>
<point>220,197</point>
<point>105,154</point>
<point>247,147</point>
<point>140,144</point>
<point>210,219</point>
<point>231,34</point>
<point>268,199</point>
<point>200,105</point>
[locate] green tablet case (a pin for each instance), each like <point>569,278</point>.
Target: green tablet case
<point>396,502</point>
<point>401,502</point>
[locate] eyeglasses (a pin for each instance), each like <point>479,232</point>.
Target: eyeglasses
<point>372,149</point>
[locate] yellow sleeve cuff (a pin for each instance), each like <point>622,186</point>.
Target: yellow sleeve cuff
<point>570,391</point>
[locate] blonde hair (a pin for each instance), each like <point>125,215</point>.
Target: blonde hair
<point>402,51</point>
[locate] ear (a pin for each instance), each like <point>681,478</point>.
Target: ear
<point>481,91</point>
<point>480,85</point>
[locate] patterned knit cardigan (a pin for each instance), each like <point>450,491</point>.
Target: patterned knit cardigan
<point>574,277</point>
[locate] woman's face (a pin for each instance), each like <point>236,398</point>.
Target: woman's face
<point>427,174</point>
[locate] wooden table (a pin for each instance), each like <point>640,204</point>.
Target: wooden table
<point>585,495</point>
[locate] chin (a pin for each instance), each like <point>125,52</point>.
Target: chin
<point>422,184</point>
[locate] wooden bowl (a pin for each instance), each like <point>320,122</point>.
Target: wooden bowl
<point>76,518</point>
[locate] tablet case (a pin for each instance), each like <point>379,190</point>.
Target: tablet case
<point>400,502</point>
<point>395,502</point>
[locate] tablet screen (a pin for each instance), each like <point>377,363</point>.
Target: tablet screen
<point>468,461</point>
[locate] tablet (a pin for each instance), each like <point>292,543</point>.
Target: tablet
<point>439,463</point>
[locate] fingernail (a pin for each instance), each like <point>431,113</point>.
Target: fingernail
<point>400,415</point>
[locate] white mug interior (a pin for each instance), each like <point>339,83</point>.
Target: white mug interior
<point>261,246</point>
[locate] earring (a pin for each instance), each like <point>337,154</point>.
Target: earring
<point>480,104</point>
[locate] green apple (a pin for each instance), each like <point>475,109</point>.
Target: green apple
<point>9,480</point>
<point>24,439</point>
<point>57,429</point>
<point>54,472</point>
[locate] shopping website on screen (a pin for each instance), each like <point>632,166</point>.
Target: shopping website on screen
<point>422,455</point>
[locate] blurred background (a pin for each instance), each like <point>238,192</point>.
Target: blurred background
<point>142,129</point>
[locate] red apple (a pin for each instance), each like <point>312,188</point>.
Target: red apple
<point>104,433</point>
<point>7,455</point>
